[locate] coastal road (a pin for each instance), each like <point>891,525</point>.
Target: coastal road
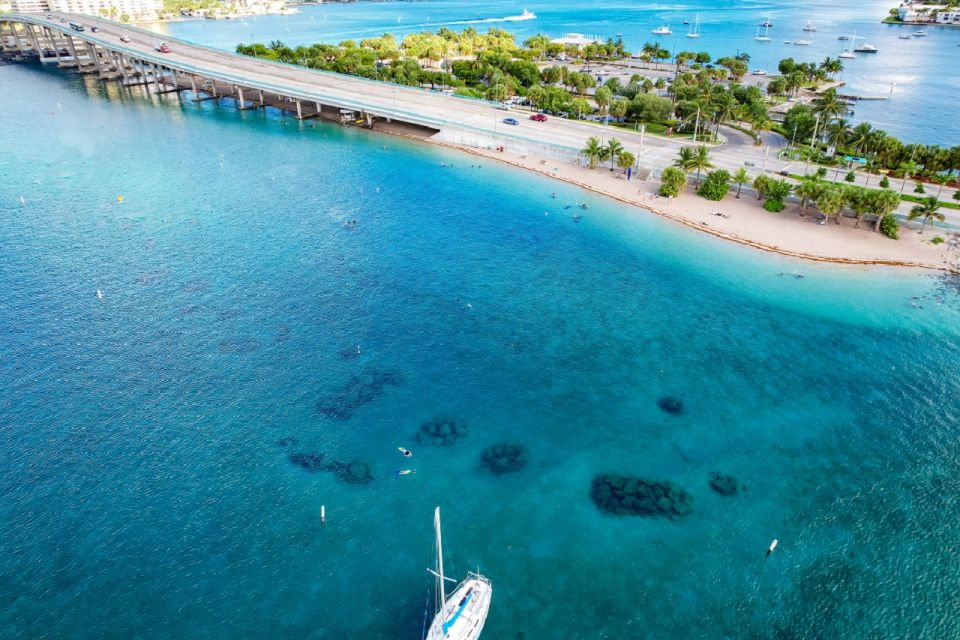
<point>423,107</point>
<point>478,120</point>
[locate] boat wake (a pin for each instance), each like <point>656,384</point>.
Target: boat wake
<point>526,15</point>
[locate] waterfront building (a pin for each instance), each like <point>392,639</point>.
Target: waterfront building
<point>577,39</point>
<point>949,17</point>
<point>29,6</point>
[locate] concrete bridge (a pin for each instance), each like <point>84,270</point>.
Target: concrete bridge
<point>128,54</point>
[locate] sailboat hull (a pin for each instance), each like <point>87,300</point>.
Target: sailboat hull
<point>465,611</point>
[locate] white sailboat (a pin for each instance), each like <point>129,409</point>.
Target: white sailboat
<point>695,32</point>
<point>847,54</point>
<point>461,616</point>
<point>764,37</point>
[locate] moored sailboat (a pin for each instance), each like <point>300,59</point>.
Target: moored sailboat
<point>461,616</point>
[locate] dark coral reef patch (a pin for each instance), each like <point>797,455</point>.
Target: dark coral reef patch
<point>441,432</point>
<point>362,388</point>
<point>626,495</point>
<point>504,457</point>
<point>671,405</point>
<point>351,472</point>
<point>725,485</point>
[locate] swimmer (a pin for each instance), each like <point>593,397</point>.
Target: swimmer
<point>406,452</point>
<point>403,472</point>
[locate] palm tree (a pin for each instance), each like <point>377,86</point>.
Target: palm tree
<point>829,105</point>
<point>883,202</point>
<point>592,150</point>
<point>740,177</point>
<point>726,107</point>
<point>808,189</point>
<point>832,66</point>
<point>685,158</point>
<point>941,179</point>
<point>909,168</point>
<point>838,132</point>
<point>929,208</point>
<point>860,136</point>
<point>614,148</point>
<point>625,160</point>
<point>832,201</point>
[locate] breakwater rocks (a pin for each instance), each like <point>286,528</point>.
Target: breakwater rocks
<point>352,472</point>
<point>504,457</point>
<point>631,496</point>
<point>441,432</point>
<point>362,388</point>
<point>671,405</point>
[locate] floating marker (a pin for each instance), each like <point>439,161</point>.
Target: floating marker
<point>99,295</point>
<point>773,545</point>
<point>22,201</point>
<point>323,514</point>
<point>119,198</point>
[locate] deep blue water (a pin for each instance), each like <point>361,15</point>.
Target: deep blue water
<point>922,72</point>
<point>147,487</point>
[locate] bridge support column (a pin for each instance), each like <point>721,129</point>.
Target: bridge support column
<point>240,96</point>
<point>368,119</point>
<point>262,103</point>
<point>73,50</point>
<point>299,111</point>
<point>122,66</point>
<point>319,109</point>
<point>193,85</point>
<point>35,39</point>
<point>92,51</point>
<point>56,47</point>
<point>156,77</point>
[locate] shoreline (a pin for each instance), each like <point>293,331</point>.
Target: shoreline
<point>691,213</point>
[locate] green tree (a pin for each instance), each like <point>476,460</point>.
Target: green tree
<point>760,185</point>
<point>716,185</point>
<point>941,179</point>
<point>918,188</point>
<point>884,182</point>
<point>618,108</point>
<point>832,201</point>
<point>860,202</point>
<point>809,189</point>
<point>890,227</point>
<point>883,203</point>
<point>776,191</point>
<point>602,97</point>
<point>929,208</point>
<point>614,149</point>
<point>592,150</point>
<point>672,182</point>
<point>850,177</point>
<point>740,177</point>
<point>625,160</point>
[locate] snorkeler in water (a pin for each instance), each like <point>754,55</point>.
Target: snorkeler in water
<point>403,472</point>
<point>406,452</point>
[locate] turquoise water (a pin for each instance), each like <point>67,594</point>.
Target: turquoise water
<point>145,462</point>
<point>921,72</point>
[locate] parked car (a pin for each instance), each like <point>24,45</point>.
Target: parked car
<point>512,121</point>
<point>124,38</point>
<point>538,117</point>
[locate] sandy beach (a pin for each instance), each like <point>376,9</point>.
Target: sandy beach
<point>745,221</point>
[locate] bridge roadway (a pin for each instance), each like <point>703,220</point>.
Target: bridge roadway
<point>458,120</point>
<point>471,122</point>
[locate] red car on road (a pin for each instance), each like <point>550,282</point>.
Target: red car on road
<point>538,117</point>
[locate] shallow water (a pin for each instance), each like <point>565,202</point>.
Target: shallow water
<point>918,75</point>
<point>145,466</point>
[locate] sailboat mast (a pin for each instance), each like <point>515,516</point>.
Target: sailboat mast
<point>443,589</point>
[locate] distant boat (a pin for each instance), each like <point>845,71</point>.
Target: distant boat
<point>809,28</point>
<point>766,24</point>
<point>461,616</point>
<point>764,37</point>
<point>847,54</point>
<point>843,37</point>
<point>695,32</point>
<point>759,72</point>
<point>907,37</point>
<point>803,43</point>
<point>662,31</point>
<point>866,48</point>
<point>919,33</point>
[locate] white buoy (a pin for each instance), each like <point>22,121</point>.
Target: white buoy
<point>23,201</point>
<point>99,295</point>
<point>773,545</point>
<point>323,514</point>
